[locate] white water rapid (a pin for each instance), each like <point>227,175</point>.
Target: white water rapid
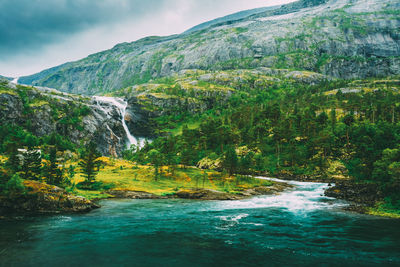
<point>121,105</point>
<point>302,198</point>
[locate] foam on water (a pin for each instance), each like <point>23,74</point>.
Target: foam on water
<point>303,197</point>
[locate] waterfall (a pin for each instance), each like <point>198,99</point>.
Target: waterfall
<point>121,105</point>
<point>15,80</point>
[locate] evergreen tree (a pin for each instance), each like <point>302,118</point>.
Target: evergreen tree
<point>89,163</point>
<point>155,158</point>
<point>32,165</point>
<point>230,162</point>
<point>14,186</point>
<point>14,162</point>
<point>53,173</point>
<point>186,155</point>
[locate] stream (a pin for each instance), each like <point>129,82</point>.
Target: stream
<point>299,227</point>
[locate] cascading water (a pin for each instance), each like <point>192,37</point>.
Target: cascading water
<point>121,105</point>
<point>304,197</point>
<point>15,81</point>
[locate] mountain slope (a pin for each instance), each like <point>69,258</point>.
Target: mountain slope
<point>77,120</point>
<point>230,18</point>
<point>6,78</point>
<point>340,38</point>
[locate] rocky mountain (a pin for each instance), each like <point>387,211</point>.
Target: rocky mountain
<point>6,78</point>
<point>339,38</point>
<point>229,18</point>
<point>41,75</point>
<point>109,121</point>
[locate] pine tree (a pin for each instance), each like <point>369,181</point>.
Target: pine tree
<point>53,173</point>
<point>186,155</point>
<point>155,158</point>
<point>13,163</point>
<point>89,163</point>
<point>14,186</point>
<point>230,161</point>
<point>32,166</point>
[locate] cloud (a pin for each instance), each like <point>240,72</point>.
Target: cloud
<point>38,34</point>
<point>31,24</point>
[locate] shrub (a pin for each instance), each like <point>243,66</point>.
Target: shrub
<point>14,186</point>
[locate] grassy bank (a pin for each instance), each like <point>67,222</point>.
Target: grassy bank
<point>124,175</point>
<point>384,210</point>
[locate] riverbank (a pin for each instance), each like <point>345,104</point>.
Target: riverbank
<point>365,198</point>
<point>40,198</point>
<point>296,226</point>
<point>125,180</point>
<point>120,178</point>
<point>204,194</point>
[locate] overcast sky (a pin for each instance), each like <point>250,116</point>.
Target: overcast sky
<point>38,34</point>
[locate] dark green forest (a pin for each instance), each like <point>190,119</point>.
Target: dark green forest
<point>329,130</point>
<point>294,130</point>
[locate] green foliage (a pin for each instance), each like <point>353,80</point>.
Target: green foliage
<point>95,186</point>
<point>53,171</point>
<point>239,30</point>
<point>230,162</point>
<point>89,163</point>
<point>290,128</point>
<point>14,186</point>
<point>32,165</point>
<point>156,158</point>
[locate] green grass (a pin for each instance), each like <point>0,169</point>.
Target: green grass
<point>385,210</point>
<point>91,195</point>
<point>7,90</point>
<point>240,30</point>
<point>39,103</point>
<point>125,175</point>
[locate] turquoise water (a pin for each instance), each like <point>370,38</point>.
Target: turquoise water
<point>298,227</point>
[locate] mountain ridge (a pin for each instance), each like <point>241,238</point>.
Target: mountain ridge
<point>339,38</point>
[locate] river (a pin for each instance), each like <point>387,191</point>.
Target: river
<point>296,228</point>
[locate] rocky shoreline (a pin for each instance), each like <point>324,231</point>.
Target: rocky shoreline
<point>361,196</point>
<point>43,199</point>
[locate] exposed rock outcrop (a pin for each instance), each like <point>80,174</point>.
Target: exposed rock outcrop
<point>43,199</point>
<point>364,194</point>
<point>126,194</point>
<point>80,119</point>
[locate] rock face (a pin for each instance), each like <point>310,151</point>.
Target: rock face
<point>339,38</point>
<point>80,119</point>
<point>43,198</point>
<point>138,118</point>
